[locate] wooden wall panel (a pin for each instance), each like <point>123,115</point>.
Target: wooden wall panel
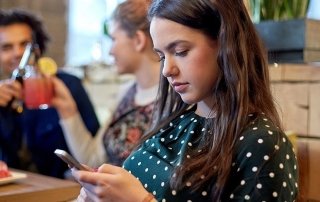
<point>314,116</point>
<point>309,166</point>
<point>292,104</point>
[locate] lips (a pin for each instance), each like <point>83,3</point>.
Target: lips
<point>180,87</point>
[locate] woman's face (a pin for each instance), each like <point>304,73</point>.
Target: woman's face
<point>189,59</point>
<point>123,49</point>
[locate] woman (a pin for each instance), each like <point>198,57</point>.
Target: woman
<point>217,135</point>
<point>133,51</point>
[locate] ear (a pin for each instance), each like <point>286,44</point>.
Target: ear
<point>140,40</point>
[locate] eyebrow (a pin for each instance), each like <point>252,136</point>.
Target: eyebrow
<point>171,45</point>
<point>5,45</point>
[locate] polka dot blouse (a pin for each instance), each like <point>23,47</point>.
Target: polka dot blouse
<point>264,165</point>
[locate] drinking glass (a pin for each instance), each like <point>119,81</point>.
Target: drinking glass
<point>38,89</point>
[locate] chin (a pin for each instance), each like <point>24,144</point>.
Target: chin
<point>188,100</point>
<point>120,71</point>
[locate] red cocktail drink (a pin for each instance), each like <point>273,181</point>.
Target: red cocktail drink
<point>38,92</point>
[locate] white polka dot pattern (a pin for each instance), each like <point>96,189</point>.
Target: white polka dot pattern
<point>264,162</point>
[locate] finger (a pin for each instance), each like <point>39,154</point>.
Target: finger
<point>14,88</point>
<point>111,169</point>
<point>58,103</point>
<point>90,177</point>
<point>88,186</point>
<point>96,192</point>
<point>15,85</point>
<point>60,88</point>
<point>89,168</point>
<point>4,100</point>
<point>6,93</point>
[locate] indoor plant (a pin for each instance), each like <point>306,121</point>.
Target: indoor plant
<point>262,10</point>
<point>288,35</point>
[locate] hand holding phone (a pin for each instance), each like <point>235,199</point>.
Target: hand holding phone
<point>70,160</point>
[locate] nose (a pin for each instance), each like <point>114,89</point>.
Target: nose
<point>111,50</point>
<point>170,67</point>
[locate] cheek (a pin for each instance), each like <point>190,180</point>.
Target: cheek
<point>5,55</point>
<point>124,63</point>
<point>5,59</point>
<point>204,72</point>
<point>115,49</point>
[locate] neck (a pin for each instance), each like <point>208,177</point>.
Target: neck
<point>148,74</point>
<point>205,110</point>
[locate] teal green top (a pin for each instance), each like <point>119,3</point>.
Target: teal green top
<point>264,166</point>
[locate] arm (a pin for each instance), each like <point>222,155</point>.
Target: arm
<point>87,149</point>
<point>82,145</point>
<point>10,129</point>
<point>82,101</point>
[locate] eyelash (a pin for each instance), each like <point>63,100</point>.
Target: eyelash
<point>179,54</point>
<point>161,58</point>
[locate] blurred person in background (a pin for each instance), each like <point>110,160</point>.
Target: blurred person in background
<point>28,139</point>
<point>133,51</point>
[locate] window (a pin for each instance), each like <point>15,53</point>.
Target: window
<point>85,29</point>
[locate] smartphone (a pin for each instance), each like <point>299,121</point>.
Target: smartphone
<point>70,160</point>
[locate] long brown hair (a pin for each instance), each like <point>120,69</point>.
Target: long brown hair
<point>242,86</point>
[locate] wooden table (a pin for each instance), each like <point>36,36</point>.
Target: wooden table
<point>36,187</point>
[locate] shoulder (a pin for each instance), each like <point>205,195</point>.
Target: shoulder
<point>127,89</point>
<point>262,136</point>
<point>66,77</point>
<point>264,165</point>
<point>73,83</point>
<point>263,145</point>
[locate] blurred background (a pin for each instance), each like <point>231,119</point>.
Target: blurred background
<point>79,44</point>
<point>76,28</point>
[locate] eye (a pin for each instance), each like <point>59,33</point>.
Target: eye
<point>6,48</point>
<point>161,56</point>
<point>181,53</point>
<point>25,43</point>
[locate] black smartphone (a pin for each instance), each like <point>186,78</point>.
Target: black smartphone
<point>70,160</point>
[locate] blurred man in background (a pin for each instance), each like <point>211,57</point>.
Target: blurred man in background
<point>28,138</point>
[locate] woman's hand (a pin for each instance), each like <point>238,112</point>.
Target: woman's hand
<point>63,100</point>
<point>83,196</point>
<point>109,183</point>
<point>9,89</point>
